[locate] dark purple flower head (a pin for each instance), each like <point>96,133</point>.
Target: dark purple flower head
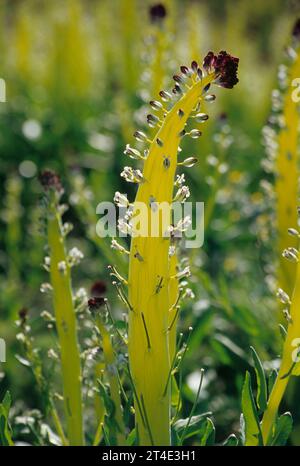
<point>23,314</point>
<point>225,67</point>
<point>296,30</point>
<point>96,303</point>
<point>98,288</point>
<point>50,180</point>
<point>157,12</point>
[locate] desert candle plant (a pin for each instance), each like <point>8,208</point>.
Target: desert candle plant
<point>153,275</point>
<point>290,360</point>
<point>59,263</point>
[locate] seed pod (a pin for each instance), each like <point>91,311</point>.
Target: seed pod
<point>210,97</point>
<point>152,120</point>
<point>156,105</point>
<point>195,133</point>
<point>201,117</point>
<point>165,95</point>
<point>189,162</point>
<point>133,153</point>
<point>140,136</point>
<point>293,232</point>
<point>283,296</point>
<point>194,66</point>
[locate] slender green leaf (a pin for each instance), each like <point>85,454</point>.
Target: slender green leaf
<point>196,424</point>
<point>252,428</point>
<point>208,437</point>
<point>262,394</point>
<point>283,430</point>
<point>231,441</point>
<point>5,434</point>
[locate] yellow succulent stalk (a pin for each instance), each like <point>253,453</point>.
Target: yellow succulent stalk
<point>150,283</point>
<point>60,277</point>
<point>286,184</point>
<point>288,367</point>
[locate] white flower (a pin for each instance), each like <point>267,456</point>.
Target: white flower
<point>121,199</point>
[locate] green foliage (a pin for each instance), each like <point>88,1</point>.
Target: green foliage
<point>252,433</point>
<point>5,430</point>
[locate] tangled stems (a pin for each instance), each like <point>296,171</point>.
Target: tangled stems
<point>66,326</point>
<point>288,366</point>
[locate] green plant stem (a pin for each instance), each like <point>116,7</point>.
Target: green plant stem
<point>66,328</point>
<point>112,374</point>
<point>58,426</point>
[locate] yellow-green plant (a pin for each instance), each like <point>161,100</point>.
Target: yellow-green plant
<point>289,363</point>
<point>59,263</point>
<point>112,372</point>
<point>283,148</point>
<point>152,297</point>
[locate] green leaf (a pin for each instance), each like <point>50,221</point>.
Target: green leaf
<point>231,441</point>
<point>5,433</point>
<point>253,435</point>
<point>208,437</point>
<point>271,380</point>
<point>262,395</point>
<point>131,439</point>
<point>175,393</point>
<point>196,426</point>
<point>283,430</point>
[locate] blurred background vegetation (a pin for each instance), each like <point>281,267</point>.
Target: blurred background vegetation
<point>79,75</point>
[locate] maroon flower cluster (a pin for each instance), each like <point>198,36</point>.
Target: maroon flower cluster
<point>50,180</point>
<point>157,12</point>
<point>296,30</point>
<point>225,66</point>
<point>96,303</point>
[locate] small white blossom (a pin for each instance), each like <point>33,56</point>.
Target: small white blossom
<point>74,256</point>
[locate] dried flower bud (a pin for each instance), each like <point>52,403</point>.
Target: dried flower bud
<point>224,66</point>
<point>157,13</point>
<point>98,288</point>
<point>50,181</point>
<point>296,30</point>
<point>96,303</point>
<point>23,315</point>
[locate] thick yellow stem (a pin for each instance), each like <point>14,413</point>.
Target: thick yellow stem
<point>67,332</point>
<point>149,346</point>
